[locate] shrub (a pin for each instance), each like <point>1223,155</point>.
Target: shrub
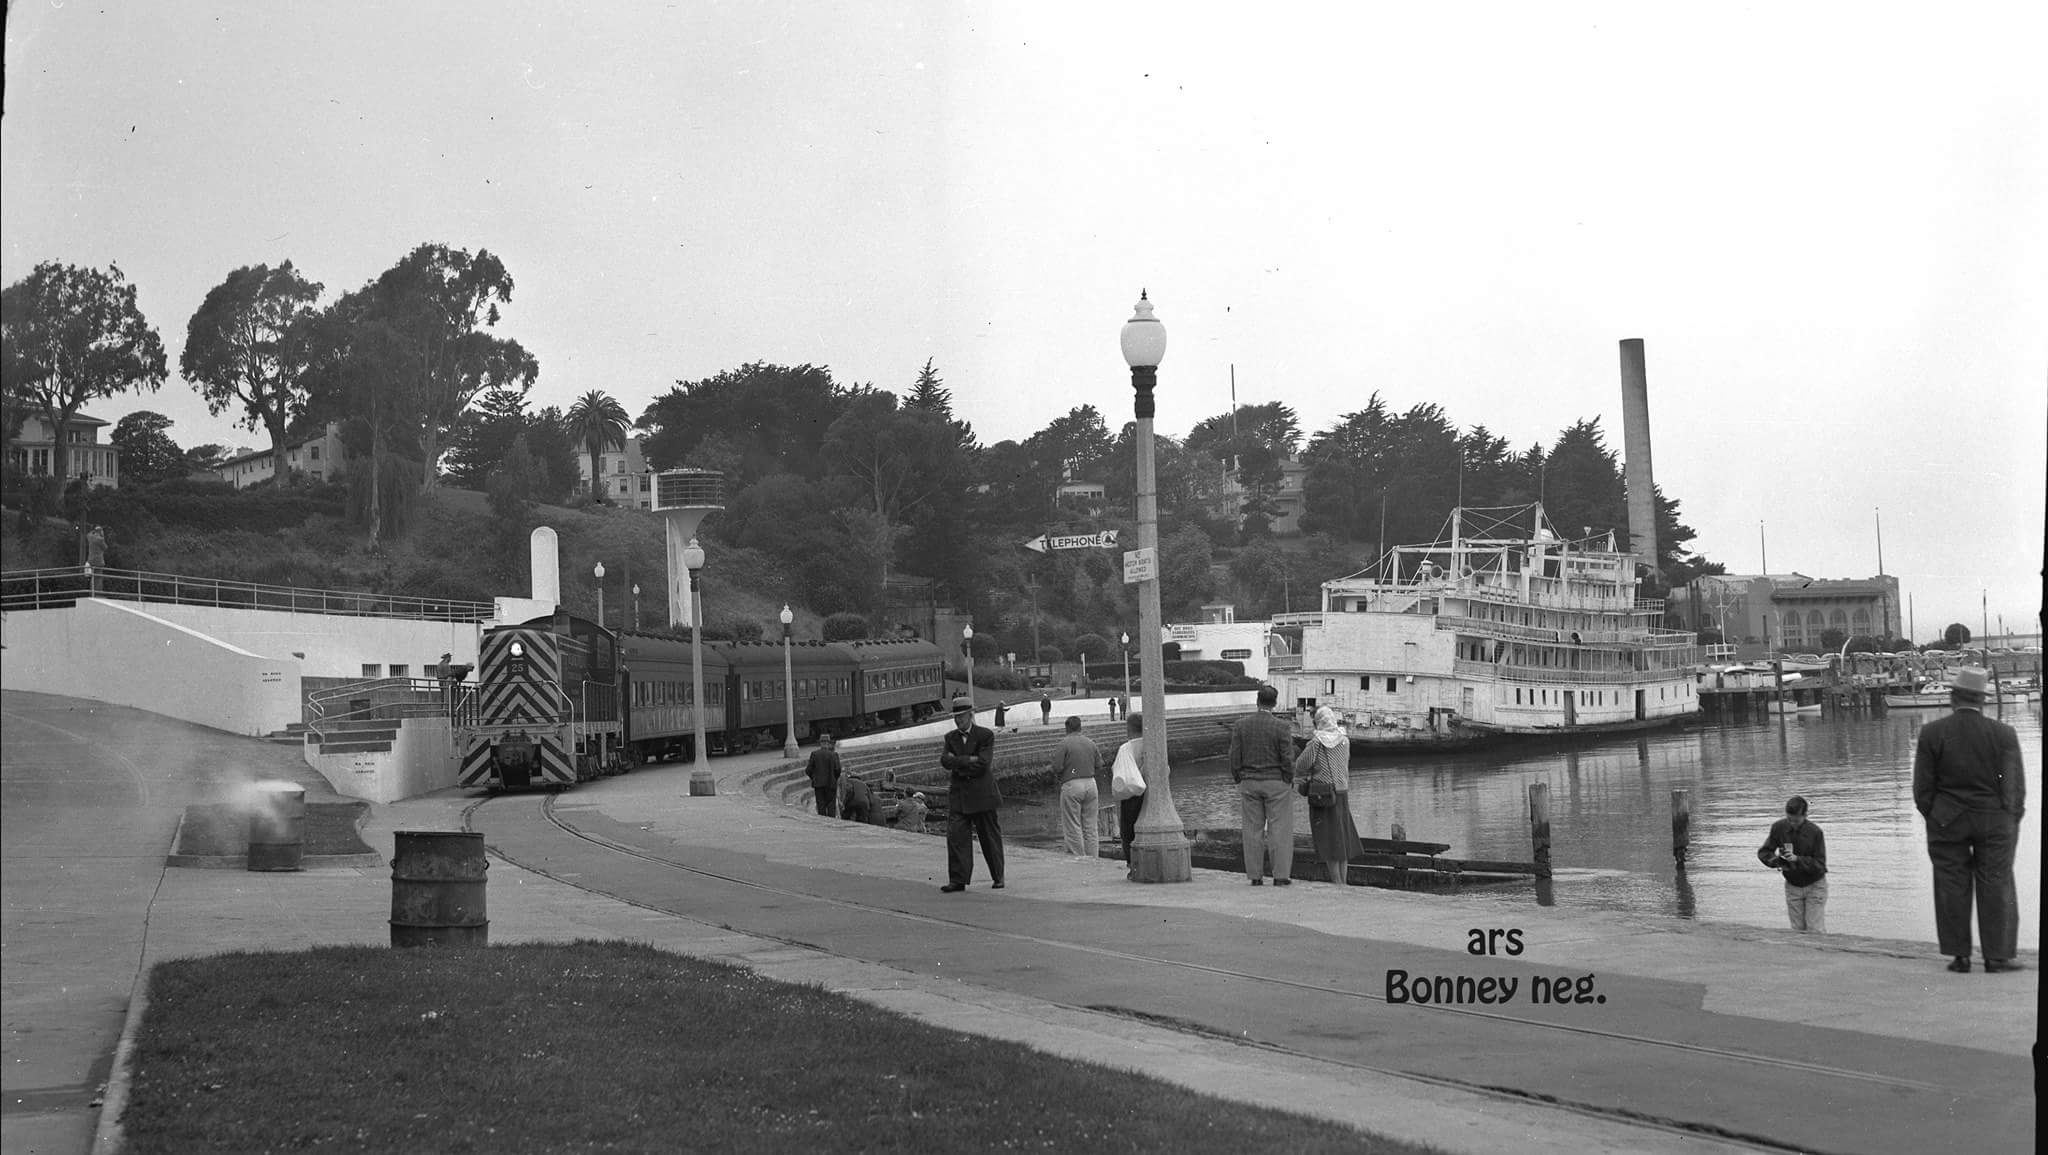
<point>731,627</point>
<point>1094,647</point>
<point>999,679</point>
<point>1207,673</point>
<point>1051,654</point>
<point>845,627</point>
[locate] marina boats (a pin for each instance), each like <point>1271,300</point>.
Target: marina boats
<point>1788,706</point>
<point>1501,629</point>
<point>1927,697</point>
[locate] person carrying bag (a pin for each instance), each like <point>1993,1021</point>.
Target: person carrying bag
<point>1323,770</point>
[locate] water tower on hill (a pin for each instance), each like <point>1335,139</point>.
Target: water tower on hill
<point>683,498</point>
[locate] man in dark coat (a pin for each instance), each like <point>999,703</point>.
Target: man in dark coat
<point>824,771</point>
<point>973,800</point>
<point>1970,784</point>
<point>1262,765</point>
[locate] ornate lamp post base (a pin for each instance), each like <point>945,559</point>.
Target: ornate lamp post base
<point>1161,856</point>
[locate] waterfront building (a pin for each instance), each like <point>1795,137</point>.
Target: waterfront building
<point>1760,613</point>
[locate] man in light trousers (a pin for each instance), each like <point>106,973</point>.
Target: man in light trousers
<point>1075,764</point>
<point>1262,765</point>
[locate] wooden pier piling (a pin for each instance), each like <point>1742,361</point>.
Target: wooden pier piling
<point>1539,821</point>
<point>1681,823</point>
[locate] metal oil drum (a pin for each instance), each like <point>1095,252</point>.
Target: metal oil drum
<point>437,889</point>
<point>277,829</point>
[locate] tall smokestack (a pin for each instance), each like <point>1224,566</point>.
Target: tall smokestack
<point>1635,426</point>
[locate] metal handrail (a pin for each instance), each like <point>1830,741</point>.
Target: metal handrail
<point>61,588</point>
<point>318,702</point>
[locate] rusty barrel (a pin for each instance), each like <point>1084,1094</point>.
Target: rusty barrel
<point>437,889</point>
<point>277,829</point>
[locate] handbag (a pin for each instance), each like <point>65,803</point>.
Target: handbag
<point>1321,794</point>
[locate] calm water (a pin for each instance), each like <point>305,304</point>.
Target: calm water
<point>1610,813</point>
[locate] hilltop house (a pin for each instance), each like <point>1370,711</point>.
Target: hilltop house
<point>34,451</point>
<point>319,458</point>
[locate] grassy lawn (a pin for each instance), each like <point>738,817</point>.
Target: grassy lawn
<point>611,1046</point>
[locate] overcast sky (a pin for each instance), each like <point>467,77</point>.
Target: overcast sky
<point>1829,223</point>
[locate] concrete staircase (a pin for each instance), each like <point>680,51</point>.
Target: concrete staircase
<point>356,736</point>
<point>292,735</point>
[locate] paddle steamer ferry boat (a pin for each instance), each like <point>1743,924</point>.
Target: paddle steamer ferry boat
<point>1502,629</point>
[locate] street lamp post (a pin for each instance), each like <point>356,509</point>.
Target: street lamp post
<point>967,644</point>
<point>598,572</point>
<point>1159,852</point>
<point>636,605</point>
<point>701,781</point>
<point>788,690</point>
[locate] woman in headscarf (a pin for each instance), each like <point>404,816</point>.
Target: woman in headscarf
<point>1327,759</point>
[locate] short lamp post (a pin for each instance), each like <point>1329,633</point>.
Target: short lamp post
<point>701,781</point>
<point>636,605</point>
<point>1159,852</point>
<point>788,690</point>
<point>597,571</point>
<point>967,644</point>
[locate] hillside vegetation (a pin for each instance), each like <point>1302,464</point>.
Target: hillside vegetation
<point>454,547</point>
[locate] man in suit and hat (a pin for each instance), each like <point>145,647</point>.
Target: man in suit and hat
<point>1970,785</point>
<point>972,801</point>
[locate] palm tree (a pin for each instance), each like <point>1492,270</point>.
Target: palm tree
<point>598,421</point>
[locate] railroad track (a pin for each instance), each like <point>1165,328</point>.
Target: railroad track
<point>1536,1037</point>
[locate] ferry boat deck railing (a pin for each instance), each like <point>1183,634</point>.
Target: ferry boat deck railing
<point>1466,668</point>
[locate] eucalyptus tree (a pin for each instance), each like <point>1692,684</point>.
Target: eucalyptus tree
<point>436,306</point>
<point>73,336</point>
<point>598,421</point>
<point>247,345</point>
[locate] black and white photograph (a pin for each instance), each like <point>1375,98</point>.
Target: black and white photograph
<point>753,576</point>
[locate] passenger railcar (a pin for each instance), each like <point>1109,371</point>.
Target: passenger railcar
<point>545,710</point>
<point>896,681</point>
<point>759,700</point>
<point>661,700</point>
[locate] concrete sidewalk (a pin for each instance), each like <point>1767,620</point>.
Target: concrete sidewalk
<point>1701,985</point>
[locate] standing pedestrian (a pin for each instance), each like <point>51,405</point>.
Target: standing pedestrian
<point>823,770</point>
<point>1970,784</point>
<point>1262,766</point>
<point>973,801</point>
<point>1075,763</point>
<point>1130,766</point>
<point>1002,711</point>
<point>1795,848</point>
<point>1112,707</point>
<point>1045,707</point>
<point>1325,765</point>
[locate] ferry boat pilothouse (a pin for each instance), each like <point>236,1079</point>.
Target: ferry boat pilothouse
<point>1503,629</point>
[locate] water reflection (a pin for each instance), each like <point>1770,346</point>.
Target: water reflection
<point>1610,817</point>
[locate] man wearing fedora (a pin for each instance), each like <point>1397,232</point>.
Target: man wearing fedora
<point>1970,785</point>
<point>972,800</point>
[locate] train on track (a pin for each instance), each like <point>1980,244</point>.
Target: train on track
<point>560,699</point>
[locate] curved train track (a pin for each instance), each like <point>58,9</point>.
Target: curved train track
<point>1541,1034</point>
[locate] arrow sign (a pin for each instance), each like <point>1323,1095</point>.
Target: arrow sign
<point>1043,542</point>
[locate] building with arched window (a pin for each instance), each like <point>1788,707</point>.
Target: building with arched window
<point>1790,612</point>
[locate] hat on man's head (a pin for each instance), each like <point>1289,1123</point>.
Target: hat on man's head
<point>963,705</point>
<point>1971,684</point>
